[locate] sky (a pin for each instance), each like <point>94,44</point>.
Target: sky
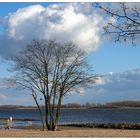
<point>118,63</point>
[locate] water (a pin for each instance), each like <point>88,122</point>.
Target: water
<point>68,116</point>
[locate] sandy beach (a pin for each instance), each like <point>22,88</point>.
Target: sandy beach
<point>70,132</point>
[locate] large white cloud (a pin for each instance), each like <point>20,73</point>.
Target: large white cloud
<point>76,22</point>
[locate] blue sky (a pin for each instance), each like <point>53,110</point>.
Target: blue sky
<point>115,57</point>
<point>116,61</point>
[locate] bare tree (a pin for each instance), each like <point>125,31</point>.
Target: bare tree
<point>126,24</point>
<point>52,69</point>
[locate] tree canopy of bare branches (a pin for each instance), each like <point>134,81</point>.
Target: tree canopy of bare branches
<point>53,69</point>
<point>126,23</point>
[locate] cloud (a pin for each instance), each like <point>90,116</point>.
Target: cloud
<point>108,88</point>
<point>76,22</point>
<point>112,87</point>
<point>2,97</point>
<point>7,82</point>
<point>80,91</point>
<point>127,81</point>
<point>101,80</point>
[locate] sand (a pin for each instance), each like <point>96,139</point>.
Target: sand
<point>70,132</point>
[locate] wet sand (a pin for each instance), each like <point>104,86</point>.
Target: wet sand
<point>70,132</point>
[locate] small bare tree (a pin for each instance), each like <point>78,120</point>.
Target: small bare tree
<point>126,25</point>
<point>52,69</point>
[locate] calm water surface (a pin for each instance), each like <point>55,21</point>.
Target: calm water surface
<point>68,116</point>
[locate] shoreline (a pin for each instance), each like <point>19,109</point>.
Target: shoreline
<point>31,123</point>
<point>67,132</point>
<point>87,130</point>
<point>132,126</point>
<point>120,126</point>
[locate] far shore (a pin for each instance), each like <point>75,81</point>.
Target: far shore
<point>128,104</point>
<point>34,107</point>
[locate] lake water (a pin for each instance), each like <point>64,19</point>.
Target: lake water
<point>68,116</point>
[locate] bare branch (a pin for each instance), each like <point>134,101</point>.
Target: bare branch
<point>127,25</point>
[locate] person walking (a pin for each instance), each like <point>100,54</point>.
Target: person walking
<point>7,124</point>
<point>10,121</point>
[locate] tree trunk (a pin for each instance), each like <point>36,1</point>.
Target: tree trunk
<point>49,121</point>
<point>50,112</point>
<point>40,111</point>
<point>46,114</point>
<point>57,113</point>
<point>41,115</point>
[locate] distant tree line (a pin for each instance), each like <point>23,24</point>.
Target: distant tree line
<point>107,105</point>
<point>116,104</point>
<point>124,104</point>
